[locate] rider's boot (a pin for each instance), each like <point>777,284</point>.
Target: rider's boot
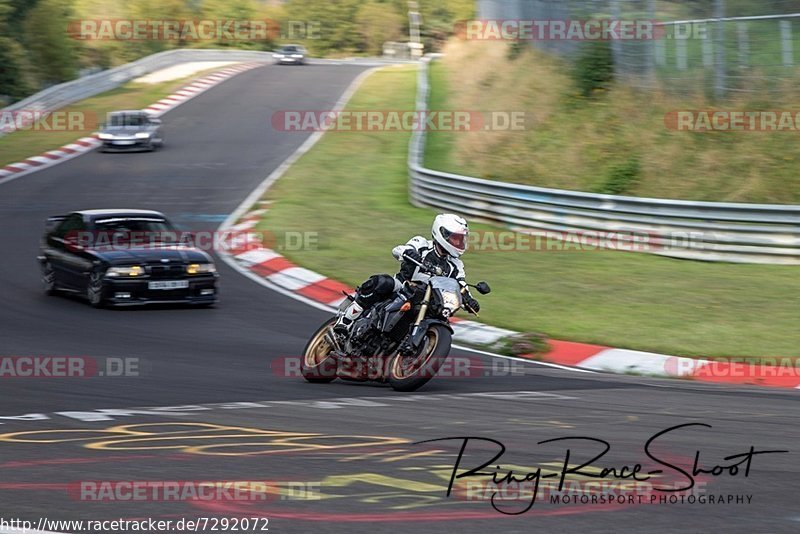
<point>346,319</point>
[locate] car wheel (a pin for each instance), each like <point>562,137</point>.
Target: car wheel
<point>94,290</point>
<point>49,279</point>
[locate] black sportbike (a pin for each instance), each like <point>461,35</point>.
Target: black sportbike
<point>404,340</point>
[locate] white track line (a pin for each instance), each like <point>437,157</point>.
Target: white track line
<point>525,360</point>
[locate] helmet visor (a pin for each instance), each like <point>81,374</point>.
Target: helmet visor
<point>457,239</point>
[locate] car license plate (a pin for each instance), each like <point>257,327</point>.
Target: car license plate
<point>123,142</point>
<point>168,284</point>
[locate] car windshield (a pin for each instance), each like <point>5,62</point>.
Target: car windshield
<point>127,119</point>
<point>137,229</point>
<point>290,50</point>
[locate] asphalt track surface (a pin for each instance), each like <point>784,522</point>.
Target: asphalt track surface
<point>354,441</point>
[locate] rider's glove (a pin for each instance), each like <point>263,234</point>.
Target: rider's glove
<point>471,304</point>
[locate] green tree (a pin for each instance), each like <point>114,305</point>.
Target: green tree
<point>338,29</point>
<point>241,12</point>
<point>51,50</point>
<point>379,22</point>
<point>14,83</point>
<point>156,10</point>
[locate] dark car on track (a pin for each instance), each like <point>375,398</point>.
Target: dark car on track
<point>125,257</point>
<point>132,130</point>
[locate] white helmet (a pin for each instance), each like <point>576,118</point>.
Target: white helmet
<point>450,232</point>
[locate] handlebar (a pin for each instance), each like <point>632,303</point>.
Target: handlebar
<point>438,272</point>
<point>423,267</point>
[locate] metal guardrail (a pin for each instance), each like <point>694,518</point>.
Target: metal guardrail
<point>710,231</point>
<point>67,93</point>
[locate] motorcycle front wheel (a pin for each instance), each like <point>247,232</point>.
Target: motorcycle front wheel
<point>317,364</point>
<point>411,373</point>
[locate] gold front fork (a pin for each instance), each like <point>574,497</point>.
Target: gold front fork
<point>424,308</point>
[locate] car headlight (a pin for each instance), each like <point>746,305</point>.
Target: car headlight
<point>277,56</point>
<point>131,271</point>
<point>142,135</point>
<point>297,56</point>
<point>105,136</point>
<point>201,268</point>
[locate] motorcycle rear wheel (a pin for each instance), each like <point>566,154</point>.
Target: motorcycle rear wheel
<point>410,374</point>
<point>317,365</point>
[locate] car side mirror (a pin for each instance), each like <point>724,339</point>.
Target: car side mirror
<point>155,121</point>
<point>52,223</point>
<point>483,288</point>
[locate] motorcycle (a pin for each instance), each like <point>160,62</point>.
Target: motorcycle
<point>404,340</point>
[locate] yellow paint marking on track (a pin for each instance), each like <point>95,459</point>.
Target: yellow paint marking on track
<point>295,444</point>
<point>369,455</point>
<point>150,436</point>
<point>434,452</point>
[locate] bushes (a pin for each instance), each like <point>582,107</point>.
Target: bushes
<point>515,49</point>
<point>620,176</point>
<point>522,344</point>
<point>14,82</point>
<point>594,68</point>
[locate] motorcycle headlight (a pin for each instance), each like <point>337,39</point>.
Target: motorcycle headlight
<point>201,268</point>
<point>451,300</point>
<point>142,135</point>
<point>131,271</point>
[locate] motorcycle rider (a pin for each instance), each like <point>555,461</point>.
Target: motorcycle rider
<point>449,234</point>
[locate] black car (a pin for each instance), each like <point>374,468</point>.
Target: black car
<point>125,257</point>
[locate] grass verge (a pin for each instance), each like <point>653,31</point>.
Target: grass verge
<point>23,144</point>
<point>351,188</point>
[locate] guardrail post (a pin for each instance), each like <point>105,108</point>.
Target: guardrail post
<point>787,51</point>
<point>708,52</point>
<point>719,75</point>
<point>744,44</point>
<point>681,60</point>
<point>661,52</point>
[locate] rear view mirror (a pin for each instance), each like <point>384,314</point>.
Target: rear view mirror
<point>483,288</point>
